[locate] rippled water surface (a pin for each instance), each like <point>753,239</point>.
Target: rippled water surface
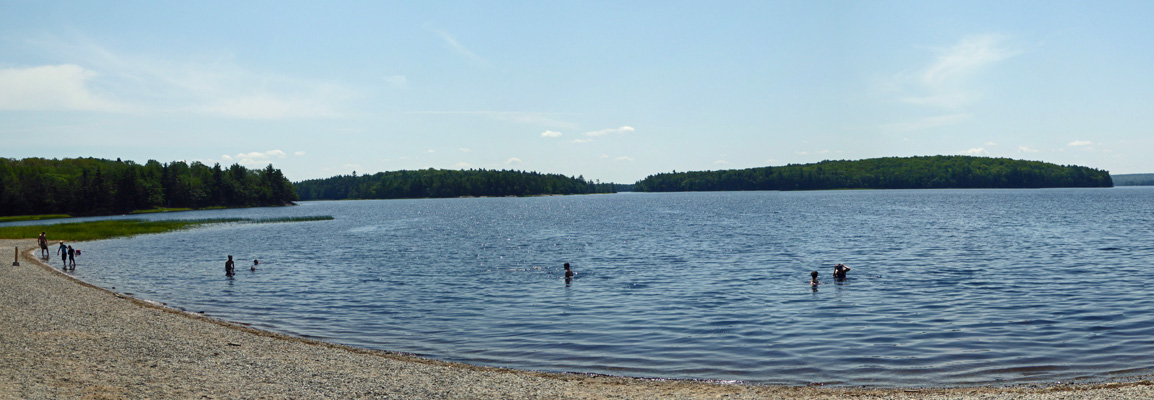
<point>948,287</point>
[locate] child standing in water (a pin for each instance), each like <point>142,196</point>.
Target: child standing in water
<point>813,279</point>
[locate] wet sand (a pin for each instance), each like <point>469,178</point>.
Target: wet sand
<point>62,338</point>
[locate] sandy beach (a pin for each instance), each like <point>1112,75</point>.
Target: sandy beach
<point>62,338</point>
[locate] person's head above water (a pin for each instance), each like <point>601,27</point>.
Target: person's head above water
<point>813,274</point>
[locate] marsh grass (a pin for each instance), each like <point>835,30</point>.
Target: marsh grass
<point>96,230</point>
<point>15,218</point>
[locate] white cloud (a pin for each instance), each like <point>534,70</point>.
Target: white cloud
<point>200,84</point>
<point>1026,149</point>
<point>464,150</point>
<point>604,132</point>
<point>991,144</point>
<point>624,158</point>
<point>430,151</point>
<point>51,87</point>
<point>977,151</point>
<point>299,153</point>
<point>1080,143</point>
<point>582,140</point>
<point>928,123</point>
<point>254,158</point>
<point>721,162</point>
<point>463,165</point>
<point>550,134</point>
<point>513,160</point>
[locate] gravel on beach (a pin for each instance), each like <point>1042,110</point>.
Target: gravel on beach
<point>62,338</point>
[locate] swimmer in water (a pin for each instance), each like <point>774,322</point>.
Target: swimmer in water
<point>839,271</point>
<point>569,274</point>
<point>813,279</point>
<point>254,264</point>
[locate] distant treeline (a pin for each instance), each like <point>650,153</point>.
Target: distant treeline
<point>935,172</point>
<point>91,186</point>
<point>1133,179</point>
<point>440,183</point>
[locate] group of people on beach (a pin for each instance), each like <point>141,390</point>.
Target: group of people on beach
<point>230,267</point>
<point>67,253</point>
<point>839,273</point>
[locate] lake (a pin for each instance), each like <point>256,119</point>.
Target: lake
<point>947,288</point>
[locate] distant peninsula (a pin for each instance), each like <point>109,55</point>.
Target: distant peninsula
<point>928,172</point>
<point>1133,179</point>
<point>442,183</point>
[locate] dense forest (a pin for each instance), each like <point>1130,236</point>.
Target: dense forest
<point>935,172</point>
<point>434,183</point>
<point>90,186</point>
<point>1133,179</point>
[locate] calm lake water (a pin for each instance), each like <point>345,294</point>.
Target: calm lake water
<point>948,287</point>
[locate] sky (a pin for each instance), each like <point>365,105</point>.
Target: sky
<point>612,91</point>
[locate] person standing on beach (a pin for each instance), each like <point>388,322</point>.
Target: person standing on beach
<point>43,241</point>
<point>229,267</point>
<point>72,257</point>
<point>63,252</point>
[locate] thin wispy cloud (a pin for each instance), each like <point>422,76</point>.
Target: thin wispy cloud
<point>977,151</point>
<point>459,48</point>
<point>550,134</point>
<point>513,161</point>
<point>947,82</point>
<point>624,158</point>
<point>397,81</point>
<point>928,122</point>
<point>1080,143</point>
<point>604,132</point>
<point>1026,149</point>
<point>517,117</point>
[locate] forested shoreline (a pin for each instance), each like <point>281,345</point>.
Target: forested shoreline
<point>440,183</point>
<point>930,172</point>
<point>91,186</point>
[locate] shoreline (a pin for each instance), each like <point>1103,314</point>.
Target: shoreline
<point>63,337</point>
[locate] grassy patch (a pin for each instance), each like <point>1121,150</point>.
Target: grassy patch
<point>96,230</point>
<point>33,217</point>
<point>160,210</point>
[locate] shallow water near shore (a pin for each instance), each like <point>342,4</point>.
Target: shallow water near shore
<point>948,287</point>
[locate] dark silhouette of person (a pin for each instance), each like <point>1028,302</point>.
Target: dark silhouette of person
<point>813,279</point>
<point>254,264</point>
<point>63,252</point>
<point>72,257</point>
<point>839,271</point>
<point>43,241</point>
<point>229,267</point>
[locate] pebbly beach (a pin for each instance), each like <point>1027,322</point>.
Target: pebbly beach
<point>63,338</point>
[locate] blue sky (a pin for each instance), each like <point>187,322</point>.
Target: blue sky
<point>613,91</point>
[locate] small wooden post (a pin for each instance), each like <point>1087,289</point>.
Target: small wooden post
<point>16,257</point>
